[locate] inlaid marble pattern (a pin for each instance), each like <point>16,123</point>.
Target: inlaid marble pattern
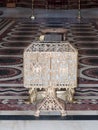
<point>15,37</point>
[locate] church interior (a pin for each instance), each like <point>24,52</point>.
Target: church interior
<point>50,23</point>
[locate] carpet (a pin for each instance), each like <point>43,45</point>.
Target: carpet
<point>17,34</point>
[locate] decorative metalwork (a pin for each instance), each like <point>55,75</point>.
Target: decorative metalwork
<point>50,66</point>
<point>51,103</point>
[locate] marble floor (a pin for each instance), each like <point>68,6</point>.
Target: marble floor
<point>48,125</point>
<point>51,124</point>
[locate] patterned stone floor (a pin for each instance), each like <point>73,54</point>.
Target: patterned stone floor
<point>17,34</point>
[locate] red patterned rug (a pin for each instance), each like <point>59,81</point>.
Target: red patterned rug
<point>17,34</point>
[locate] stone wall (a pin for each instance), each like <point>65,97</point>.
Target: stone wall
<point>62,4</point>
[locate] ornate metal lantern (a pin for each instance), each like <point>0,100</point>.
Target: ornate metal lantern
<point>50,66</point>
